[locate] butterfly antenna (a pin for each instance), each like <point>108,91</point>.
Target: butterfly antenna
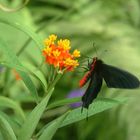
<point>95,49</point>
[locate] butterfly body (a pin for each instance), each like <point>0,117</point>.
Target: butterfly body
<point>113,76</point>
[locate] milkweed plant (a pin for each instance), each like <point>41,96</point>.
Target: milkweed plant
<point>58,60</point>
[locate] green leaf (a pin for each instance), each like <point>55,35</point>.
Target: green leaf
<point>97,106</point>
<point>6,102</point>
<point>134,12</point>
<point>6,130</point>
<point>13,121</point>
<point>39,75</point>
<point>52,128</point>
<point>13,59</point>
<point>64,102</point>
<point>13,65</point>
<point>6,9</point>
<point>36,73</point>
<point>30,124</point>
<point>26,30</point>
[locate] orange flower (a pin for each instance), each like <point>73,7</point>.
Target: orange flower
<point>17,76</point>
<point>59,54</point>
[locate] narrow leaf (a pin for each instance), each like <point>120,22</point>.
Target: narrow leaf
<point>7,9</point>
<point>37,74</point>
<point>6,130</point>
<point>13,59</point>
<point>6,102</point>
<point>30,124</point>
<point>26,30</point>
<point>97,106</point>
<point>64,102</point>
<point>49,132</point>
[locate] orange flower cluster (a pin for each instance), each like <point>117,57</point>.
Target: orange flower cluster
<point>59,54</point>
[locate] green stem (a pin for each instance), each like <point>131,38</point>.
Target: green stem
<point>6,82</point>
<point>7,9</point>
<point>59,75</point>
<point>42,28</point>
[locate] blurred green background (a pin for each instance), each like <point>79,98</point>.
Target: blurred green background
<point>114,26</point>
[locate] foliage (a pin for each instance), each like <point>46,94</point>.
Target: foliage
<point>30,108</point>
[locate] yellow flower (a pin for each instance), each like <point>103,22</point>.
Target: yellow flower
<point>71,62</point>
<point>52,37</point>
<point>47,42</point>
<point>47,51</point>
<point>56,53</point>
<point>65,44</point>
<point>50,40</point>
<point>76,53</point>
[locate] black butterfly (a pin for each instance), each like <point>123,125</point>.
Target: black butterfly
<point>114,78</point>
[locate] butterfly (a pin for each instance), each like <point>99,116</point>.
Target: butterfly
<point>113,76</point>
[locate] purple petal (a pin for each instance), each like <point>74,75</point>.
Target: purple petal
<point>73,94</point>
<point>1,69</point>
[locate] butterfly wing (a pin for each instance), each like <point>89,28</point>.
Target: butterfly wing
<point>117,78</point>
<point>92,90</point>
